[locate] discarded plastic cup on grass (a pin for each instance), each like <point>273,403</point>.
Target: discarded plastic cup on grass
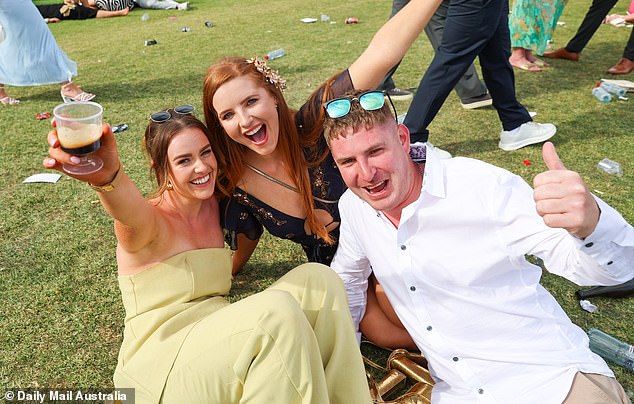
<point>145,17</point>
<point>151,42</point>
<point>324,18</point>
<point>601,95</point>
<point>610,167</point>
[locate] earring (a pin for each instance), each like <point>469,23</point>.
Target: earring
<point>169,185</point>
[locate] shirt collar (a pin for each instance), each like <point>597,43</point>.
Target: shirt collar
<point>434,177</point>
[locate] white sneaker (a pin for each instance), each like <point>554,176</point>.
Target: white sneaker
<point>183,6</point>
<point>527,133</point>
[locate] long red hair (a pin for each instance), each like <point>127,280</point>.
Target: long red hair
<point>231,155</point>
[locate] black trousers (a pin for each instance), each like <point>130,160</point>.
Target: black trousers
<point>591,23</point>
<point>473,28</point>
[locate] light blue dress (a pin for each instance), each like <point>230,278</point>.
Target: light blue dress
<point>29,54</point>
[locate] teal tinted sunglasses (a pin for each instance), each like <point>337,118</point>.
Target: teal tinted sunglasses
<point>370,101</point>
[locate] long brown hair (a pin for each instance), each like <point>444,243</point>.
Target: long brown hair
<point>231,155</point>
<point>157,139</point>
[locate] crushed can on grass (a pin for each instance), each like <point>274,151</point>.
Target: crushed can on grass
<point>352,20</point>
<point>119,128</point>
<point>151,42</point>
<point>209,24</point>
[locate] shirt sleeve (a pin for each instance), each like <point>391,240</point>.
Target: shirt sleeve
<point>235,219</point>
<point>603,258</point>
<point>351,263</point>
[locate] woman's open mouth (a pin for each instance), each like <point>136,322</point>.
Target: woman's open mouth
<point>258,135</point>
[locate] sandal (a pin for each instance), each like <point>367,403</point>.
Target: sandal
<point>529,67</point>
<point>9,100</point>
<point>540,63</point>
<point>83,96</point>
<point>6,100</point>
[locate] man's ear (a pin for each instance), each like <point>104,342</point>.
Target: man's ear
<point>403,136</point>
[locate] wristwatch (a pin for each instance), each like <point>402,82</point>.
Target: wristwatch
<point>112,184</point>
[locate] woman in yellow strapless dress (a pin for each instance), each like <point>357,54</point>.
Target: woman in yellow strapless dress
<point>183,341</point>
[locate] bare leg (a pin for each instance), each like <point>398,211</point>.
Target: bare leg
<point>380,324</point>
<point>520,58</point>
<point>5,99</point>
<point>108,14</point>
<point>71,91</point>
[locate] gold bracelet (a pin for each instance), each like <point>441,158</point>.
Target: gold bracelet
<point>112,184</point>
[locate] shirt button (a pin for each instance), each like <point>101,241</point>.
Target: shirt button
<point>480,391</point>
<point>412,288</point>
<point>455,359</point>
<point>403,247</point>
<point>590,244</point>
<point>429,328</point>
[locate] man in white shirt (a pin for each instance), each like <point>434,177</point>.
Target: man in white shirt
<point>447,241</point>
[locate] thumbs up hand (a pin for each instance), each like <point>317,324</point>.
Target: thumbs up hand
<point>562,199</point>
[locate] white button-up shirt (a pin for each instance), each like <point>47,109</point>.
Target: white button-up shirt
<point>456,274</point>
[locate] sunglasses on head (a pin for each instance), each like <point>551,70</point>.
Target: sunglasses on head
<point>369,100</point>
<point>164,116</point>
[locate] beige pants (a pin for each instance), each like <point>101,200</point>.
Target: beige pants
<point>590,388</point>
<point>292,343</point>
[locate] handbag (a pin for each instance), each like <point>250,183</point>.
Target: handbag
<point>404,379</point>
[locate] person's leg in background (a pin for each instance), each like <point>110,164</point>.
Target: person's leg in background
<point>162,4</point>
<point>590,24</point>
<point>467,30</point>
<point>471,90</point>
<point>388,84</point>
<point>626,64</point>
<point>518,128</point>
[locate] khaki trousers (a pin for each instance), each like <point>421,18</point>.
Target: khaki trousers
<point>590,388</point>
<point>292,343</point>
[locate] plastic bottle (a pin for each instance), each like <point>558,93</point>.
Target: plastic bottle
<point>324,18</point>
<point>601,95</point>
<point>610,167</point>
<point>623,290</point>
<point>613,89</point>
<point>611,349</point>
<point>275,54</point>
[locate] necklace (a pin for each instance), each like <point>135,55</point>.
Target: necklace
<point>285,185</point>
<point>270,178</point>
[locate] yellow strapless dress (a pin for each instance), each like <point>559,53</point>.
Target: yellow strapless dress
<point>163,303</point>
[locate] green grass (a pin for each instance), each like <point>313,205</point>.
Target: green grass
<point>62,315</point>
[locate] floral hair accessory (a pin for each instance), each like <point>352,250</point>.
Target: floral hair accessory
<point>272,76</point>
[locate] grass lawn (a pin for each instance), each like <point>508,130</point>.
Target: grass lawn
<point>62,317</point>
